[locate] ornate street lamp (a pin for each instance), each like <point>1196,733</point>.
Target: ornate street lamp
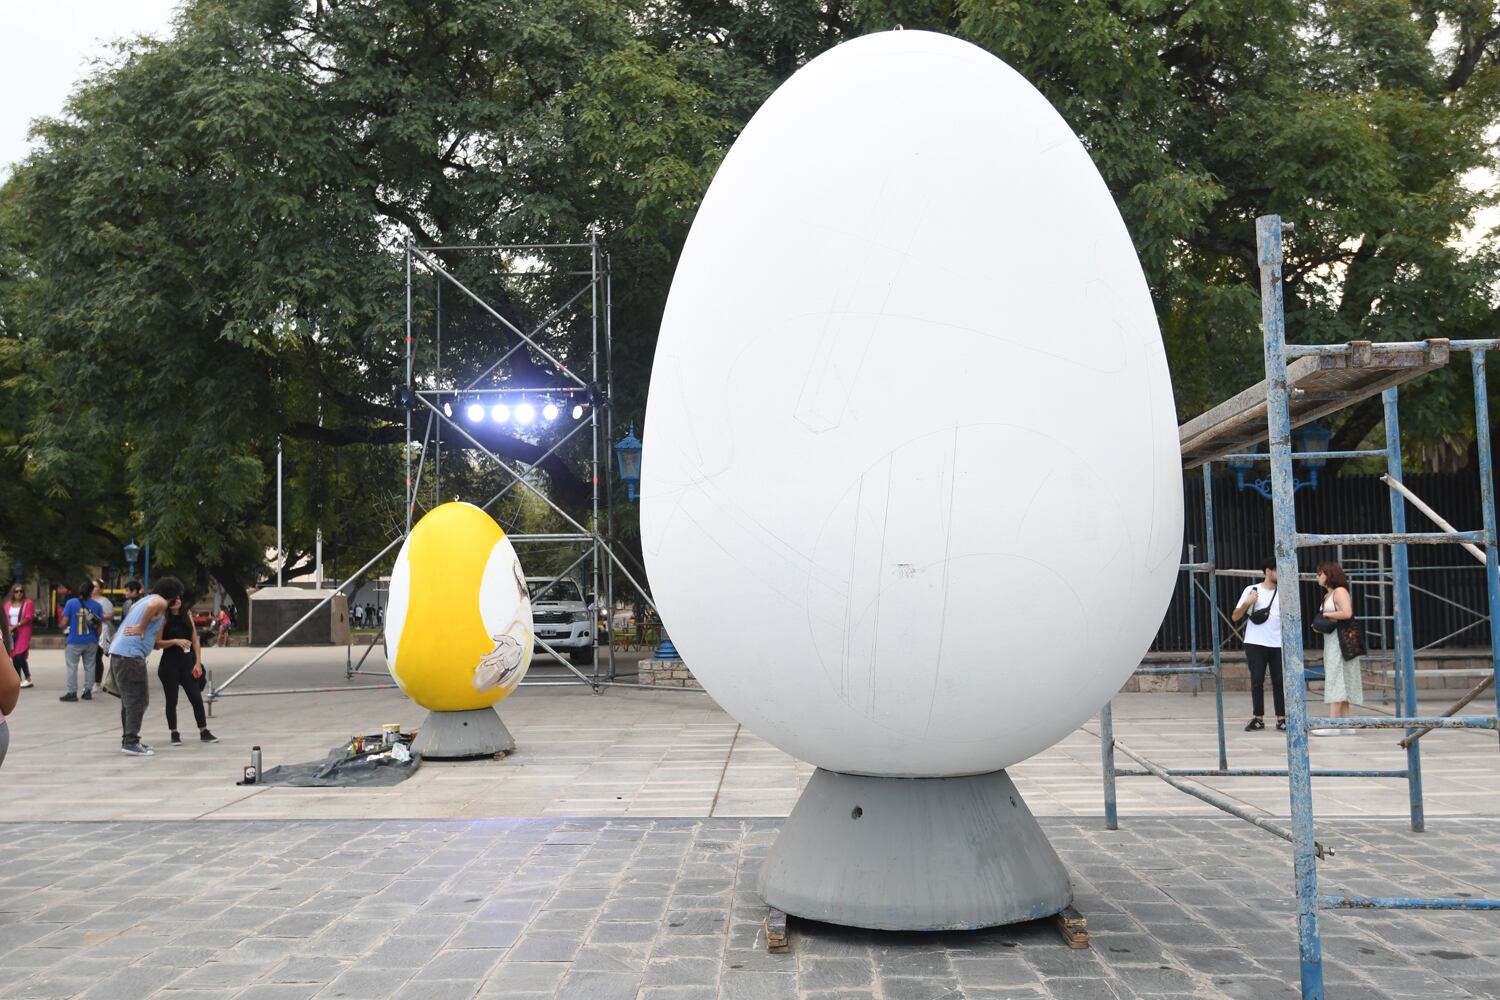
<point>132,550</point>
<point>628,453</point>
<point>1310,440</point>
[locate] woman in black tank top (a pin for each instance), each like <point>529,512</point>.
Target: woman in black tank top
<point>182,667</point>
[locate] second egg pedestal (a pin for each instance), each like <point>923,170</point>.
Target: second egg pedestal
<point>467,735</point>
<point>914,854</point>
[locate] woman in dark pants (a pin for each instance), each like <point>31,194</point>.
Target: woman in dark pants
<point>181,667</point>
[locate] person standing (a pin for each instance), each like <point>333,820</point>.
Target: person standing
<point>1263,646</point>
<point>1342,681</point>
<point>133,643</point>
<point>181,667</point>
<point>133,592</point>
<point>20,615</point>
<point>223,624</point>
<point>80,619</point>
<point>106,632</point>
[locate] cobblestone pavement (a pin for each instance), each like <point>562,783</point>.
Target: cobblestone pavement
<point>666,909</point>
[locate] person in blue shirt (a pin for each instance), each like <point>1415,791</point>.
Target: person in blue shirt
<point>80,619</point>
<point>133,642</point>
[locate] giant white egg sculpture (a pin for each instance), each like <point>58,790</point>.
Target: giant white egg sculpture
<point>911,492</point>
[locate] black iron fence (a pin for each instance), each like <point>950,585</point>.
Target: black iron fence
<point>1448,591</point>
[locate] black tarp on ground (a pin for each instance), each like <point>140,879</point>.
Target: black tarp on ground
<point>339,770</point>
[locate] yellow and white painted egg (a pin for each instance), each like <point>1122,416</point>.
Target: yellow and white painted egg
<point>458,622</point>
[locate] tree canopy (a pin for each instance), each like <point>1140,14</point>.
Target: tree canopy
<point>203,255</point>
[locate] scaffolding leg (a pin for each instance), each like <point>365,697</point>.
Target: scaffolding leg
<point>1193,617</point>
<point>1299,777</point>
<point>1487,500</point>
<point>1213,608</point>
<point>1107,755</point>
<point>1406,658</point>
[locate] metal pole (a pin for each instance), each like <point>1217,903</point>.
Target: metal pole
<point>608,433</point>
<point>318,558</point>
<point>280,552</point>
<point>1212,557</point>
<point>407,455</point>
<point>594,300</point>
<point>213,693</point>
<point>1279,423</point>
<point>1193,615</point>
<point>1406,657</point>
<point>1382,583</point>
<point>437,454</point>
<point>1107,756</point>
<point>1487,499</point>
<point>1432,515</point>
<point>1233,808</point>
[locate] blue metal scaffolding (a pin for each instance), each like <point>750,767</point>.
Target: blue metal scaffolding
<point>1279,417</point>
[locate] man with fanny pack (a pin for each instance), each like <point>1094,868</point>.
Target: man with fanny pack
<point>1263,646</point>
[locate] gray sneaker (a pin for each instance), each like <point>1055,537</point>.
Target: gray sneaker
<point>137,750</point>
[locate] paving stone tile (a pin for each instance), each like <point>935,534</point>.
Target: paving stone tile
<point>487,934</point>
<point>472,964</point>
<point>599,986</point>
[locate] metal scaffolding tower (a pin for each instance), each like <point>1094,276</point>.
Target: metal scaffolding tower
<point>1302,383</point>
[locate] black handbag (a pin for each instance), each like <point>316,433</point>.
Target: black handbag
<point>1263,615</point>
<point>1324,624</point>
<point>1352,639</point>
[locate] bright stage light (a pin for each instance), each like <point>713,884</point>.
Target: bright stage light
<point>549,412</point>
<point>475,412</point>
<point>500,413</point>
<point>525,413</point>
<point>577,411</point>
<point>447,408</point>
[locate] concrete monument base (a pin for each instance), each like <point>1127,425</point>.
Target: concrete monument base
<point>914,854</point>
<point>463,735</point>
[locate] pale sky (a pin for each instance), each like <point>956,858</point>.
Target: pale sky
<point>47,47</point>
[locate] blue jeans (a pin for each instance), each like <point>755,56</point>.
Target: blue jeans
<point>73,653</point>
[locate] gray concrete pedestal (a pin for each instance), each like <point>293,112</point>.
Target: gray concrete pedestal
<point>914,854</point>
<point>463,735</point>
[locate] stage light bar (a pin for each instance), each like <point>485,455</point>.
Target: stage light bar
<point>475,413</point>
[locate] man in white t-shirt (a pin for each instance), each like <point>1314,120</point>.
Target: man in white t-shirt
<point>1263,646</point>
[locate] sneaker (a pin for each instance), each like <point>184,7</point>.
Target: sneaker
<point>146,746</point>
<point>207,737</point>
<point>1254,725</point>
<point>97,687</point>
<point>70,696</point>
<point>1281,724</point>
<point>137,750</point>
<point>27,683</point>
<point>86,696</point>
<point>177,739</point>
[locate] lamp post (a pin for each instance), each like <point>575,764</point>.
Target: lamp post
<point>1309,441</point>
<point>628,454</point>
<point>132,550</point>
